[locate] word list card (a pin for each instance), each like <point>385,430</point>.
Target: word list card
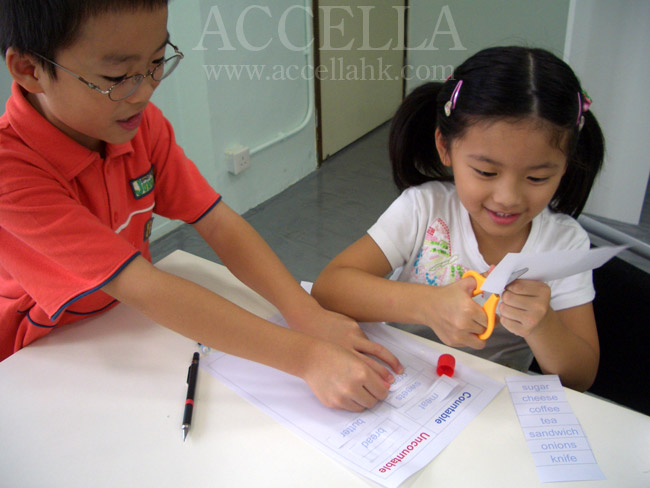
<point>554,436</point>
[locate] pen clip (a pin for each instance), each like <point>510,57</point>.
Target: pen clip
<point>194,364</point>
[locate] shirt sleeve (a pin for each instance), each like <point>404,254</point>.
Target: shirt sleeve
<point>51,245</point>
<point>396,230</point>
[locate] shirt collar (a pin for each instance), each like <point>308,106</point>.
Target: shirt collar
<point>67,155</point>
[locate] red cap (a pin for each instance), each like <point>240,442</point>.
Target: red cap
<point>446,365</point>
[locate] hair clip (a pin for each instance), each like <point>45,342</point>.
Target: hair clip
<point>451,104</point>
<point>584,102</point>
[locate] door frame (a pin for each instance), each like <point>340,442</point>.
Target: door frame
<point>317,83</point>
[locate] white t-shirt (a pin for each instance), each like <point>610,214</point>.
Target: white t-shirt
<point>428,234</point>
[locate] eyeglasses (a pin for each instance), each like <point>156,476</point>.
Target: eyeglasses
<point>127,87</point>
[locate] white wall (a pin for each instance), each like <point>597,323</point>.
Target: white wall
<point>211,116</point>
<point>608,44</point>
<point>452,31</point>
<point>5,85</point>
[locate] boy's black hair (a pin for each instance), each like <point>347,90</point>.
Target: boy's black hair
<point>501,83</point>
<point>47,26</point>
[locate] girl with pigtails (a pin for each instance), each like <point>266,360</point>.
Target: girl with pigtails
<point>499,158</point>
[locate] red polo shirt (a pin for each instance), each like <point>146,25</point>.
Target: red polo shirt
<point>71,220</point>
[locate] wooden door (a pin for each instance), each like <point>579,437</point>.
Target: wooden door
<point>359,63</point>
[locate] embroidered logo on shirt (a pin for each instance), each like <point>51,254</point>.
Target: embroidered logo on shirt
<point>436,264</point>
<point>143,185</point>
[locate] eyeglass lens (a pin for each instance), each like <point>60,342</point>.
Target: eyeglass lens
<point>127,87</point>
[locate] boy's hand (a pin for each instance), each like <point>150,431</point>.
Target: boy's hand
<point>454,316</point>
<point>344,331</point>
<point>340,329</point>
<point>524,306</point>
<point>342,379</point>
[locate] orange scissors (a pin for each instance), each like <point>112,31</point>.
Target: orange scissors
<point>490,306</point>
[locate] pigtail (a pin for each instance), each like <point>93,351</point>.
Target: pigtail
<point>582,169</point>
<point>411,146</point>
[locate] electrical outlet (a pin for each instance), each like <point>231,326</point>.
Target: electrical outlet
<point>238,159</point>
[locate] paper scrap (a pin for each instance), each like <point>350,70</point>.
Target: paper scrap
<point>547,266</point>
<point>554,436</point>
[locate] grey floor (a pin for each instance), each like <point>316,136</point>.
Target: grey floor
<point>312,221</point>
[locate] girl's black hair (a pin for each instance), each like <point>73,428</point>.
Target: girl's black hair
<point>46,26</point>
<point>501,83</point>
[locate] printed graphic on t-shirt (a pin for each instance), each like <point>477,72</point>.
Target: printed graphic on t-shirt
<point>436,262</point>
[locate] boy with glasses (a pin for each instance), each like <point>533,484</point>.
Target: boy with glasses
<point>84,161</point>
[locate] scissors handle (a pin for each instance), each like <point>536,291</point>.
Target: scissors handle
<point>489,307</point>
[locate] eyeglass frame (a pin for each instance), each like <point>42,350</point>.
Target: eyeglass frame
<point>150,72</point>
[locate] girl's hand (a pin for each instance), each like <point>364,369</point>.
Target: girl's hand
<point>524,306</point>
<point>454,316</point>
<point>341,379</point>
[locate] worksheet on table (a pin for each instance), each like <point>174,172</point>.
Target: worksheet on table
<point>388,443</point>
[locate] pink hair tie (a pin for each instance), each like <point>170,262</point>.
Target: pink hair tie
<point>584,102</point>
<point>451,104</point>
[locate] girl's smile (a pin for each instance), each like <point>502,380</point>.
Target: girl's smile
<point>503,218</point>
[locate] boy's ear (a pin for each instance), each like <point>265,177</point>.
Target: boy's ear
<point>443,149</point>
<point>25,70</point>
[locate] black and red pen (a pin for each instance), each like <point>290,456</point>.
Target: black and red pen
<point>189,402</point>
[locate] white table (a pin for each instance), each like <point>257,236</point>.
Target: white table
<point>99,403</point>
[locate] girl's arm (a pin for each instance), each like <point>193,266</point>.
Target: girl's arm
<point>563,342</point>
<point>354,284</point>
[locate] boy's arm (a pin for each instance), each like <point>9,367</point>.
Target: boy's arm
<point>250,259</point>
<point>336,376</point>
<point>354,283</point>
